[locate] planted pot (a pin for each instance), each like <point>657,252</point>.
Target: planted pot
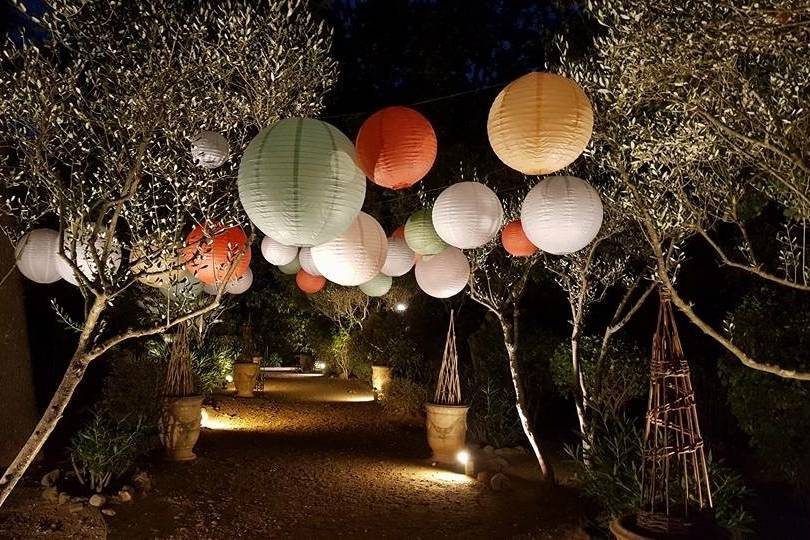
<point>180,426</point>
<point>446,431</point>
<point>649,526</point>
<point>244,378</point>
<point>380,377</point>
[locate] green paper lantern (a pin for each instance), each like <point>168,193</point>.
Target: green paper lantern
<point>299,183</point>
<point>420,235</point>
<point>291,268</point>
<point>379,285</point>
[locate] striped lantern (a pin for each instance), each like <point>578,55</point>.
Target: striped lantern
<point>307,264</point>
<point>291,268</point>
<point>443,275</point>
<point>240,284</point>
<point>277,253</point>
<point>354,257</point>
<point>299,183</point>
<point>377,286</point>
<point>37,255</point>
<point>420,235</point>
<point>211,250</point>
<point>209,149</point>
<point>467,215</point>
<point>83,257</point>
<point>515,241</point>
<point>400,258</point>
<point>308,283</point>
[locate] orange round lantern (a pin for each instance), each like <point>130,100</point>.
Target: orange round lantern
<point>211,250</point>
<point>396,147</point>
<point>399,232</point>
<point>308,283</point>
<point>515,242</point>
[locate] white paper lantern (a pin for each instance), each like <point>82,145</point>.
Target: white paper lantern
<point>443,275</point>
<point>84,257</point>
<point>291,268</point>
<point>277,253</point>
<point>400,258</point>
<point>467,215</point>
<point>355,256</point>
<point>561,214</point>
<point>209,149</point>
<point>240,284</point>
<point>307,264</point>
<point>37,255</point>
<point>377,286</point>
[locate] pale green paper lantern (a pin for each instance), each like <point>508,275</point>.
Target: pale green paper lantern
<point>421,236</point>
<point>291,268</point>
<point>299,183</point>
<point>379,285</point>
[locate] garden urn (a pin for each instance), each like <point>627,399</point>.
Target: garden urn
<point>380,377</point>
<point>244,378</point>
<point>446,431</point>
<point>180,426</point>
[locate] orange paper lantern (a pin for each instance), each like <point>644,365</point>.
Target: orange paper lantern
<point>515,242</point>
<point>399,232</point>
<point>211,250</point>
<point>396,147</point>
<point>308,283</point>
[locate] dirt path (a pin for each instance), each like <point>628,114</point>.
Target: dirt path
<point>316,458</point>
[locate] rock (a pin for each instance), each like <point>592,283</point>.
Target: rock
<point>125,496</point>
<point>520,450</point>
<point>98,500</point>
<point>488,449</point>
<point>500,451</point>
<point>50,494</point>
<point>129,488</point>
<point>499,463</point>
<point>142,481</point>
<point>75,507</point>
<point>63,498</point>
<point>499,482</point>
<point>108,512</point>
<point>50,479</point>
<point>483,476</point>
<point>78,499</point>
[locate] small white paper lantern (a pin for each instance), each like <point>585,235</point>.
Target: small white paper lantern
<point>467,215</point>
<point>291,268</point>
<point>307,264</point>
<point>400,258</point>
<point>240,284</point>
<point>209,149</point>
<point>561,214</point>
<point>377,286</point>
<point>443,275</point>
<point>277,253</point>
<point>37,255</point>
<point>355,256</point>
<point>84,257</point>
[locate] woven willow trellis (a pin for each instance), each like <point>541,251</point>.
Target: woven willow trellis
<point>675,481</point>
<point>179,377</point>
<point>448,388</point>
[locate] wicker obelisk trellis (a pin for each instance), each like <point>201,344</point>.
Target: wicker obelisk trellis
<point>448,388</point>
<point>675,482</point>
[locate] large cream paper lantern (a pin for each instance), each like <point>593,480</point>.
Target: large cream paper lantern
<point>277,253</point>
<point>299,183</point>
<point>209,149</point>
<point>307,264</point>
<point>84,259</point>
<point>37,255</point>
<point>540,123</point>
<point>561,214</point>
<point>355,256</point>
<point>377,286</point>
<point>240,284</point>
<point>155,265</point>
<point>467,215</point>
<point>421,236</point>
<point>291,268</point>
<point>443,275</point>
<point>400,258</point>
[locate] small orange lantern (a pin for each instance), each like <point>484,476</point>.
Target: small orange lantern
<point>211,250</point>
<point>399,232</point>
<point>308,283</point>
<point>515,242</point>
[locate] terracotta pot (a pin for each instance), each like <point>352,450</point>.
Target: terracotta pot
<point>244,378</point>
<point>627,528</point>
<point>446,430</point>
<point>380,377</point>
<point>180,426</point>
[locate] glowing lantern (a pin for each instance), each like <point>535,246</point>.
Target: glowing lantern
<point>420,235</point>
<point>209,149</point>
<point>155,265</point>
<point>540,123</point>
<point>354,257</point>
<point>299,183</point>
<point>307,264</point>
<point>467,215</point>
<point>396,147</point>
<point>240,284</point>
<point>399,232</point>
<point>561,214</point>
<point>308,283</point>
<point>277,253</point>
<point>443,275</point>
<point>377,286</point>
<point>291,267</point>
<point>210,252</point>
<point>515,242</point>
<point>400,258</point>
<point>83,257</point>
<point>37,255</point>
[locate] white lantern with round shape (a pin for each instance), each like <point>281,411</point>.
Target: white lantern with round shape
<point>307,264</point>
<point>209,149</point>
<point>377,286</point>
<point>240,284</point>
<point>400,258</point>
<point>291,268</point>
<point>561,214</point>
<point>443,275</point>
<point>37,255</point>
<point>84,257</point>
<point>277,253</point>
<point>467,215</point>
<point>355,256</point>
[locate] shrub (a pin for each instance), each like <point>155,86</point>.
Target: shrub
<point>213,361</point>
<point>493,418</point>
<point>404,398</point>
<point>131,390</point>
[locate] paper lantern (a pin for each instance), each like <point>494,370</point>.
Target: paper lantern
<point>400,258</point>
<point>420,235</point>
<point>443,275</point>
<point>515,242</point>
<point>399,232</point>
<point>299,183</point>
<point>540,123</point>
<point>155,265</point>
<point>308,283</point>
<point>396,147</point>
<point>83,256</point>
<point>291,267</point>
<point>354,257</point>
<point>377,286</point>
<point>210,251</point>
<point>209,149</point>
<point>37,255</point>
<point>240,284</point>
<point>307,264</point>
<point>277,253</point>
<point>467,215</point>
<point>561,214</point>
